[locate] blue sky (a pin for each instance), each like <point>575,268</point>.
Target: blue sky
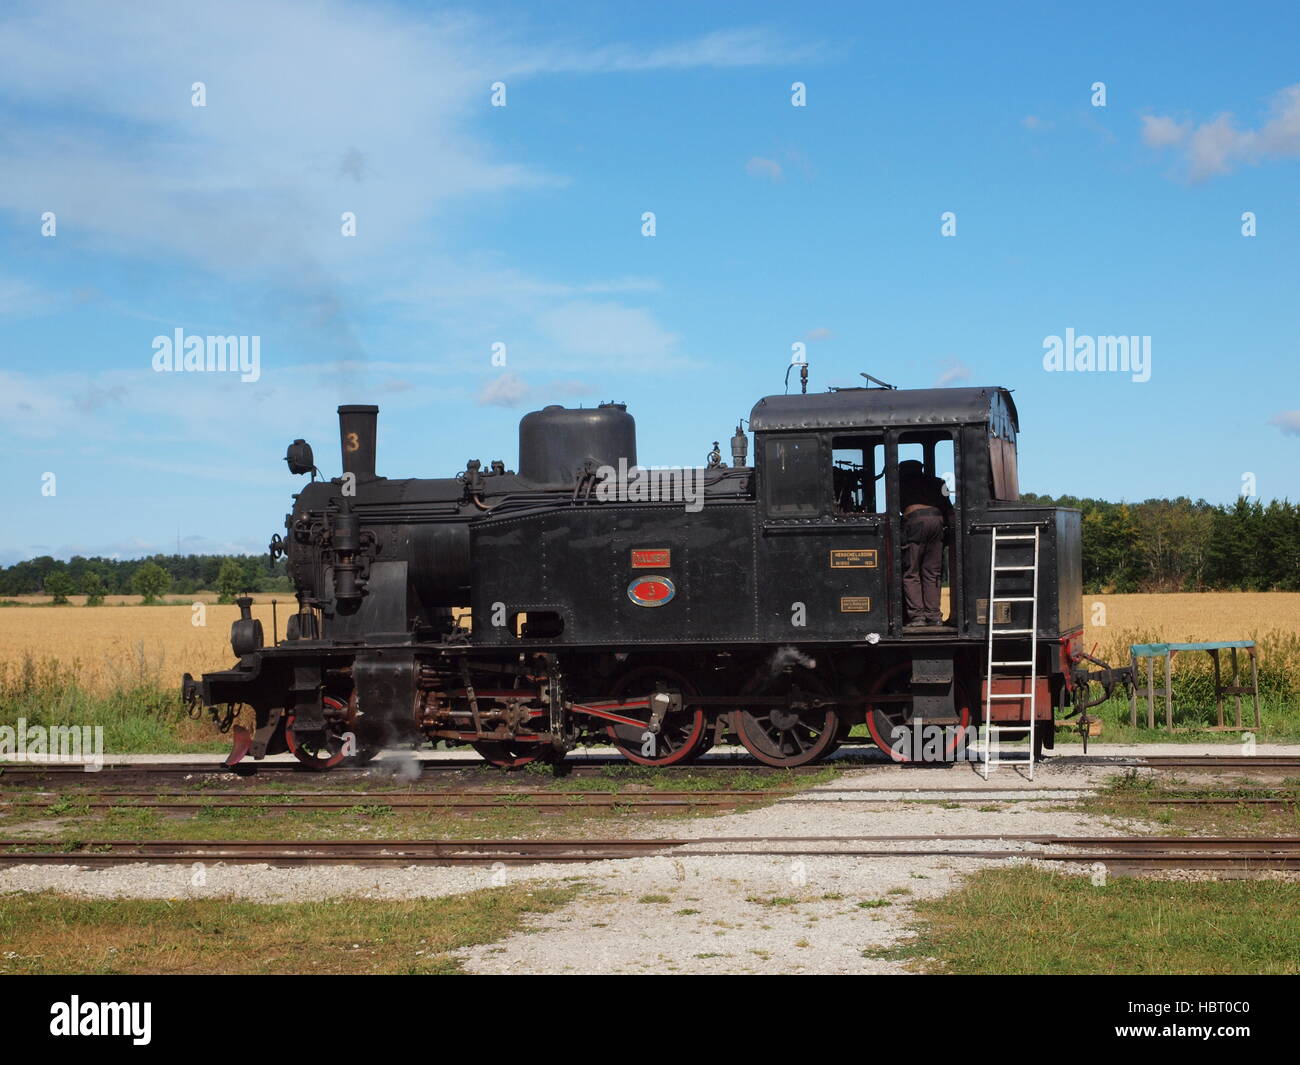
<point>521,225</point>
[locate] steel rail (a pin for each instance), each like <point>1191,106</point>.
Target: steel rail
<point>585,765</point>
<point>1128,852</point>
<point>496,800</point>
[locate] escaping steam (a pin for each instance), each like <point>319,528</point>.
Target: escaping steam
<point>788,656</point>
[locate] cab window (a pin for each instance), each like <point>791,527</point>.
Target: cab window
<point>792,473</point>
<point>857,472</point>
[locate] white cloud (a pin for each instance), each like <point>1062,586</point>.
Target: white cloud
<point>1160,131</point>
<point>954,370</point>
<point>750,47</point>
<point>1220,146</point>
<point>1288,421</point>
<point>505,390</point>
<point>312,109</point>
<point>819,333</point>
<point>300,125</point>
<point>759,166</point>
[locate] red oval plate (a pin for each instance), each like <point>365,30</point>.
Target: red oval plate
<point>651,591</point>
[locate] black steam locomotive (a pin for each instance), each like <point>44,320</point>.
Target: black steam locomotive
<point>587,599</point>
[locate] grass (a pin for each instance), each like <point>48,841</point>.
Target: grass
<point>1129,795</point>
<point>1028,921</point>
<point>1279,723</point>
<point>615,778</point>
<point>286,823</point>
<point>277,815</point>
<point>138,711</point>
<point>49,933</point>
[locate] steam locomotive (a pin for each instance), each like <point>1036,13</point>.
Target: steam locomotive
<point>585,599</point>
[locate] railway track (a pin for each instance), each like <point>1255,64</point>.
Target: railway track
<point>1215,761</point>
<point>486,799</point>
<point>1115,852</point>
<point>589,765</point>
<point>494,800</point>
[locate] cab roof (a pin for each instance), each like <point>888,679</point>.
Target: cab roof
<point>869,408</point>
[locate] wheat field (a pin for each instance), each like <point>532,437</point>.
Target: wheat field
<point>112,647</point>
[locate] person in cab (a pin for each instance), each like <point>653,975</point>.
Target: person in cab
<point>927,515</point>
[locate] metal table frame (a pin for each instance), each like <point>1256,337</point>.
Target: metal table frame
<point>1152,651</point>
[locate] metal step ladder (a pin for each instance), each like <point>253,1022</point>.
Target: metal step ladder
<point>1003,539</point>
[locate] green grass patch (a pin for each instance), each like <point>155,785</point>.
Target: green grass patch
<point>1133,794</point>
<point>273,818</point>
<point>616,778</point>
<point>141,713</point>
<point>1279,723</point>
<point>1032,921</point>
<point>49,933</point>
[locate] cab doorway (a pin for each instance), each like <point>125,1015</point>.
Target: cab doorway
<point>925,504</point>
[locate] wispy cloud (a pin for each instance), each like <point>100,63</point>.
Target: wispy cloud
<point>1288,421</point>
<point>759,166</point>
<point>721,49</point>
<point>954,370</point>
<point>1161,131</point>
<point>1219,146</point>
<point>299,126</point>
<point>507,390</point>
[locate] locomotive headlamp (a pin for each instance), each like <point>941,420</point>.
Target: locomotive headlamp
<point>300,458</point>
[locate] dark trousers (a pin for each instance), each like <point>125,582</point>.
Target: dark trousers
<point>922,566</point>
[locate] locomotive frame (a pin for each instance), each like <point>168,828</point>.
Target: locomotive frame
<point>770,614</point>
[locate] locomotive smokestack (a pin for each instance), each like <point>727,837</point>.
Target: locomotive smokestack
<point>357,437</point>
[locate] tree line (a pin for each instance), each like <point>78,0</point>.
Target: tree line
<point>1177,545</point>
<point>150,578</point>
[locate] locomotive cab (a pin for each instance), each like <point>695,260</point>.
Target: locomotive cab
<point>830,512</point>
